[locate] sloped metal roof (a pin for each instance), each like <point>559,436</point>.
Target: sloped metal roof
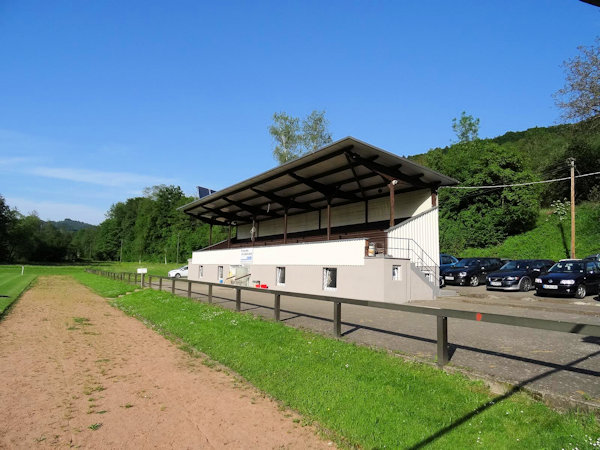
<point>346,171</point>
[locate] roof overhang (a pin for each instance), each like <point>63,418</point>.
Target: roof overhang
<point>346,171</point>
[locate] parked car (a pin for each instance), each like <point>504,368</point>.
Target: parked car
<point>446,261</point>
<point>177,273</point>
<point>471,271</point>
<point>518,275</point>
<point>595,257</point>
<point>577,277</point>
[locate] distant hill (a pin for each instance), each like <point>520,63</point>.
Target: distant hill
<point>71,225</point>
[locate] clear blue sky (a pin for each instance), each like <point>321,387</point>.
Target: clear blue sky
<point>100,99</point>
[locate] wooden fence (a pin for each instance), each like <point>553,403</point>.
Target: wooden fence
<point>442,314</point>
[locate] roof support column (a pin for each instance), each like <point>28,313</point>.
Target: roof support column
<point>210,234</point>
<point>392,187</point>
<point>229,236</point>
<point>253,232</point>
<point>328,219</point>
<point>285,226</point>
<point>366,211</point>
<point>434,198</point>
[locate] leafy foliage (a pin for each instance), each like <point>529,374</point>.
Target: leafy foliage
<point>466,128</point>
<point>486,216</point>
<point>141,228</point>
<point>293,140</point>
<point>580,97</point>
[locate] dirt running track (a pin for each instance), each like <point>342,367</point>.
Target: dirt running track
<point>75,371</point>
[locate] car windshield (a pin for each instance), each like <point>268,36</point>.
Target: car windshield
<point>567,266</point>
<point>516,265</point>
<point>467,262</point>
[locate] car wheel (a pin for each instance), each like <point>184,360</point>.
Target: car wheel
<point>442,282</point>
<point>474,281</point>
<point>177,275</point>
<point>580,292</point>
<point>525,285</point>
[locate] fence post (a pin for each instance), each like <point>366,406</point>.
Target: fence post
<point>337,319</point>
<point>160,283</point>
<point>442,341</point>
<point>277,307</point>
<point>210,293</point>
<point>149,280</point>
<point>129,277</point>
<point>189,289</point>
<point>238,299</point>
<point>173,285</point>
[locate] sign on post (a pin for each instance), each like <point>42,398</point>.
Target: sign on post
<point>143,271</point>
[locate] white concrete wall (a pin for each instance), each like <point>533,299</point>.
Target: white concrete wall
<point>371,281</point>
<point>348,252</point>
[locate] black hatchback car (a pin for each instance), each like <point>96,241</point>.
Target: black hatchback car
<point>577,277</point>
<point>518,275</point>
<point>471,271</point>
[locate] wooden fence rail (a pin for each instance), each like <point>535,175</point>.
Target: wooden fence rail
<point>442,314</point>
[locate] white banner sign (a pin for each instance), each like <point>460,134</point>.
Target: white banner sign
<point>246,256</point>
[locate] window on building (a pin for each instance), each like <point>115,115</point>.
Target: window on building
<point>200,271</point>
<point>329,278</point>
<point>281,276</point>
<point>220,272</point>
<point>396,274</point>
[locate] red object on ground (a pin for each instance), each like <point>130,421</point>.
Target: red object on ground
<point>264,286</point>
<point>478,316</point>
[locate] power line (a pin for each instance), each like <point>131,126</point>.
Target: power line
<point>520,184</point>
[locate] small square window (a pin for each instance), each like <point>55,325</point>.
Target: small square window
<point>220,272</point>
<point>200,271</point>
<point>329,278</point>
<point>396,274</point>
<point>281,276</point>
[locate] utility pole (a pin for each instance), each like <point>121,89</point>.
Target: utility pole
<point>121,254</point>
<point>572,164</point>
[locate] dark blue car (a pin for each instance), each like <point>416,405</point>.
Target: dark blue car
<point>577,277</point>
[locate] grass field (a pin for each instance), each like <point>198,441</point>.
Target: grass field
<point>159,269</point>
<point>368,398</point>
<point>11,286</point>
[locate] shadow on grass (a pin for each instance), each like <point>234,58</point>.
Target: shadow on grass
<point>496,400</point>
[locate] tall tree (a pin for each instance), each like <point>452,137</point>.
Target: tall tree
<point>7,220</point>
<point>466,128</point>
<point>315,131</point>
<point>580,97</point>
<point>285,131</point>
<point>293,140</point>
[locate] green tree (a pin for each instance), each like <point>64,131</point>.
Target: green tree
<point>315,131</point>
<point>292,140</point>
<point>478,218</point>
<point>285,131</point>
<point>580,97</point>
<point>7,221</point>
<point>466,128</point>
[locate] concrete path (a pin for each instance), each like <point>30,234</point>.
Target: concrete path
<point>543,361</point>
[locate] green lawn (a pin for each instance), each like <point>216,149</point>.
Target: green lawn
<point>12,285</point>
<point>159,269</point>
<point>368,398</point>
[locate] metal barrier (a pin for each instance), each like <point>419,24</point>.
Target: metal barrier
<point>442,314</point>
